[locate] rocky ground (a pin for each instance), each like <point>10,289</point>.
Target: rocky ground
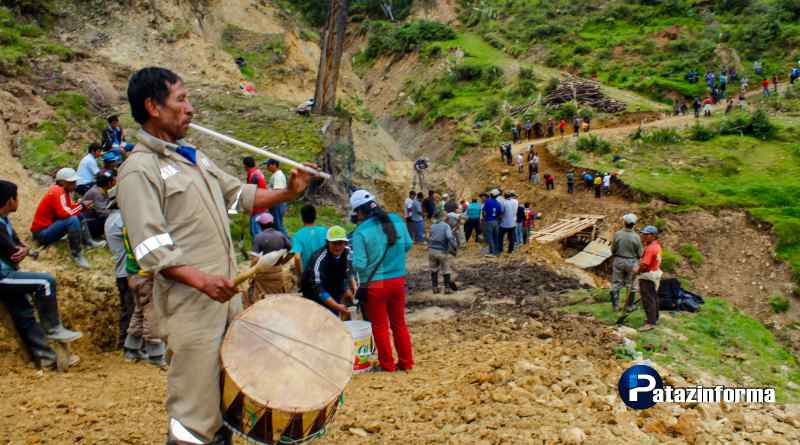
<point>490,372</point>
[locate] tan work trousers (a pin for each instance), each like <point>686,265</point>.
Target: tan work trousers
<point>438,261</point>
<point>195,326</point>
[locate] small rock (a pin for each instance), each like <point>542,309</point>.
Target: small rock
<point>572,436</point>
<point>359,432</point>
<point>373,427</point>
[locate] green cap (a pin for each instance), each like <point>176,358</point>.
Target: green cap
<point>336,233</point>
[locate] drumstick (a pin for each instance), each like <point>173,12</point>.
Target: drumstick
<point>264,262</point>
<point>260,151</point>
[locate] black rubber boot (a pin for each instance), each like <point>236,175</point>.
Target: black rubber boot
<point>447,288</point>
<point>75,243</point>
<point>615,300</point>
<point>435,282</point>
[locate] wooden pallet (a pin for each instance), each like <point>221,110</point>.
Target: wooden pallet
<point>593,255</point>
<point>567,227</point>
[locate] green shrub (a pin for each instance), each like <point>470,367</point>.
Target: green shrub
<point>526,74</point>
<point>660,224</point>
<point>669,260</point>
<point>661,136</point>
<point>593,144</point>
<point>467,72</point>
<point>756,124</point>
<point>779,303</point>
<point>701,133</point>
<point>692,254</point>
<point>386,38</point>
<point>551,86</point>
<point>566,111</point>
<point>490,110</point>
<point>574,157</point>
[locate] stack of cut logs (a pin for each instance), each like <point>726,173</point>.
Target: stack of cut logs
<point>586,92</point>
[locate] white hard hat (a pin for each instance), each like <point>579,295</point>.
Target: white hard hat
<point>629,218</point>
<point>494,192</point>
<point>67,175</point>
<point>359,198</point>
<point>445,195</point>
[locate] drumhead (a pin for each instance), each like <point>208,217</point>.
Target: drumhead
<point>288,353</point>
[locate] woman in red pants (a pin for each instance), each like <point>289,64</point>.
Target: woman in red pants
<point>380,243</point>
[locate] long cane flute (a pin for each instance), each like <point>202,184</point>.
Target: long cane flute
<point>256,150</point>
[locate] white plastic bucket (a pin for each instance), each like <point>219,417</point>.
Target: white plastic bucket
<point>361,331</point>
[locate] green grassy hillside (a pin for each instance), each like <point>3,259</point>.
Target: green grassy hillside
<point>643,45</point>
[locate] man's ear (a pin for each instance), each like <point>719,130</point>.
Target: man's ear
<point>153,109</point>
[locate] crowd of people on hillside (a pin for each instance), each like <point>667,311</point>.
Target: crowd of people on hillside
<point>528,130</point>
<point>719,87</point>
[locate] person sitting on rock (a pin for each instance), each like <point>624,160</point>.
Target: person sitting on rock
<point>88,168</point>
<point>56,216</point>
<point>15,286</point>
<point>95,216</point>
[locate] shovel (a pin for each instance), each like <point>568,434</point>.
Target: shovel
<point>264,262</point>
<point>621,319</point>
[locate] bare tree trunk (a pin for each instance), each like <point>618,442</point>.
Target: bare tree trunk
<point>330,58</point>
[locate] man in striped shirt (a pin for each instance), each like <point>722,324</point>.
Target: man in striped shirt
<point>57,216</point>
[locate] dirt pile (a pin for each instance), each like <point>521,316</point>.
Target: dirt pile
<point>503,280</point>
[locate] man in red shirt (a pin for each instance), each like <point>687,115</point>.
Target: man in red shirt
<point>254,176</point>
<point>649,271</point>
<point>57,216</point>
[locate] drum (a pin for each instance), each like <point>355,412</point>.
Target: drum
<point>286,362</point>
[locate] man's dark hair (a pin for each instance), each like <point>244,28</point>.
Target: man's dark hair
<point>431,192</point>
<point>8,190</point>
<point>272,162</point>
<point>94,146</point>
<point>249,162</point>
<point>412,193</point>
<point>308,213</point>
<point>420,195</point>
<point>113,118</point>
<point>104,178</point>
<point>149,83</point>
<point>629,225</point>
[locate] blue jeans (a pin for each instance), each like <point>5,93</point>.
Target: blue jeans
<point>255,227</point>
<point>419,231</point>
<point>57,230</point>
<point>278,212</point>
<point>520,237</point>
<point>491,233</point>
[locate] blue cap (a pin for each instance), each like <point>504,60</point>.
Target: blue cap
<point>649,230</point>
<point>111,156</point>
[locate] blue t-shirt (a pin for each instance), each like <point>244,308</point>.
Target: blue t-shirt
<point>474,210</point>
<point>307,241</point>
<point>492,210</point>
<point>368,244</point>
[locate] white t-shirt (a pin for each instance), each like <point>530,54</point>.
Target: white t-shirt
<point>409,206</point>
<point>277,181</point>
<point>510,213</point>
<point>607,181</point>
<point>520,158</point>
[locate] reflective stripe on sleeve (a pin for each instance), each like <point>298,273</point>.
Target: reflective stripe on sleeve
<point>235,206</point>
<point>151,244</point>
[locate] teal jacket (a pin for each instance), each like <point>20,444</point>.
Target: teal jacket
<point>369,243</point>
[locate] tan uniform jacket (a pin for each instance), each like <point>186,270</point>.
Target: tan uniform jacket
<point>176,214</point>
